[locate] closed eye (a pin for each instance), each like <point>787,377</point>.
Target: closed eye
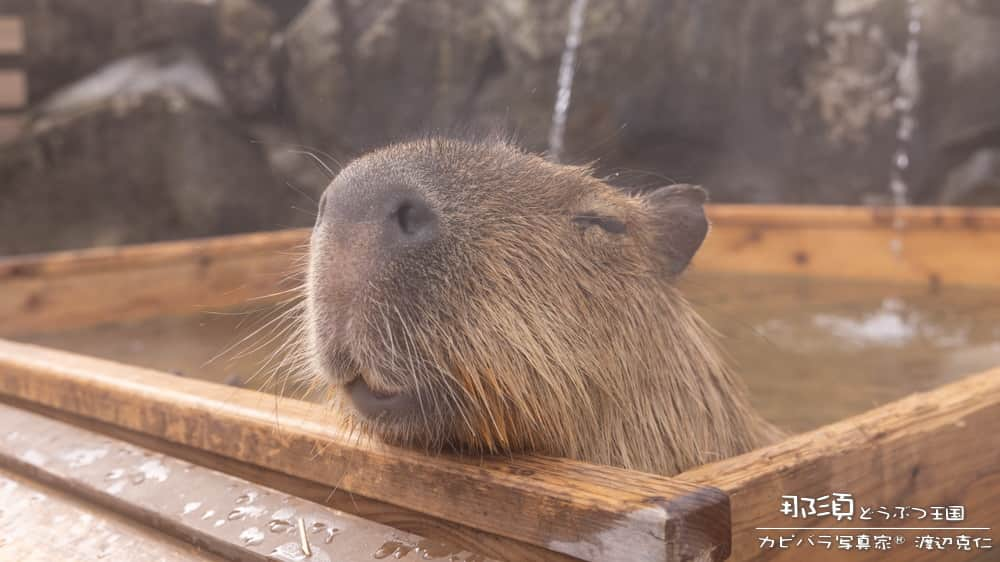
<point>608,224</point>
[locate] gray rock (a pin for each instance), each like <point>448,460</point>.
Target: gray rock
<point>135,168</point>
<point>67,39</point>
<point>760,101</point>
<point>177,69</point>
<point>959,109</point>
<point>976,181</point>
<point>361,73</point>
<point>247,38</point>
<point>757,100</point>
<point>299,167</point>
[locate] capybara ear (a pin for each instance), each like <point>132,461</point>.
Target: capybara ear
<point>679,223</point>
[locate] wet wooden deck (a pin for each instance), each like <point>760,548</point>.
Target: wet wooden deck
<point>72,494</point>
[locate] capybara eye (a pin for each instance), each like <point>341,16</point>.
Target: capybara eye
<point>608,224</point>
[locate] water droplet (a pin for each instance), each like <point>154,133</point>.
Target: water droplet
<point>395,549</point>
<point>280,525</point>
<point>252,536</point>
<point>896,247</point>
<point>114,474</point>
<point>208,514</point>
<point>906,126</point>
<point>137,478</point>
<point>247,497</point>
<point>317,527</point>
<point>284,513</point>
<point>153,470</point>
<point>330,533</point>
<point>245,511</point>
<point>902,160</point>
<point>290,551</point>
<point>430,550</point>
<point>190,507</point>
<point>897,186</point>
<point>83,457</point>
<point>564,80</point>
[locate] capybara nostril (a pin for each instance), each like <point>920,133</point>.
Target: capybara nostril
<point>414,218</point>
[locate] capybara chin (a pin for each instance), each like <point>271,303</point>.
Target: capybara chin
<point>473,296</point>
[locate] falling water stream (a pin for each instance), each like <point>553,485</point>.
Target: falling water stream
<point>567,67</point>
<point>908,94</point>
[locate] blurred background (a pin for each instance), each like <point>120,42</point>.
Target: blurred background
<point>128,121</point>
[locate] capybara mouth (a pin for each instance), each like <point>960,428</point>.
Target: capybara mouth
<point>375,404</point>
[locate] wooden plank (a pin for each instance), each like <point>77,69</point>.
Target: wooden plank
<point>13,89</point>
<point>840,216</point>
<point>936,448</point>
<point>223,514</point>
<point>42,524</point>
<point>590,512</point>
<point>64,290</point>
<point>938,246</point>
<point>127,258</point>
<point>10,126</point>
<point>11,35</point>
<point>434,529</point>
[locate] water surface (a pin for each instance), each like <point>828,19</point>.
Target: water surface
<point>812,352</point>
<point>816,351</point>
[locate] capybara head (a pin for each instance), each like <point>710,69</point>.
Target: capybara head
<point>473,296</point>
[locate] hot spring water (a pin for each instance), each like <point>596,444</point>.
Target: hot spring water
<point>812,351</point>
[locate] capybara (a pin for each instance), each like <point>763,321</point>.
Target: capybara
<point>469,295</point>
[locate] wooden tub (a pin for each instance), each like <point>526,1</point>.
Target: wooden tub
<point>939,448</point>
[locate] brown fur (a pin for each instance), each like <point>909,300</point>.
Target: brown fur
<point>523,329</point>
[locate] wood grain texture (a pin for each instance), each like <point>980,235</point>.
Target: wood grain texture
<point>843,216</point>
<point>11,35</point>
<point>13,89</point>
<point>10,126</point>
<point>935,448</point>
<point>433,528</point>
<point>64,290</point>
<point>938,246</point>
<point>220,513</point>
<point>42,524</point>
<point>586,511</point>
